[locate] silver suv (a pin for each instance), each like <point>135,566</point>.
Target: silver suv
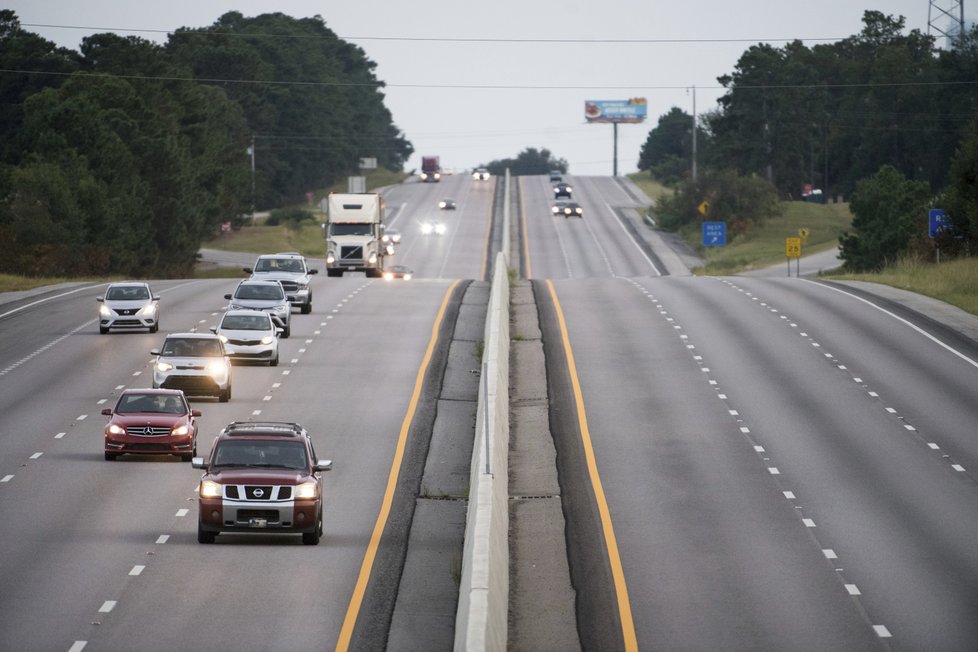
<point>290,269</point>
<point>128,305</point>
<point>263,295</point>
<point>195,363</point>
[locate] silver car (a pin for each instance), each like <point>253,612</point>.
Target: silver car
<point>291,270</point>
<point>128,305</point>
<point>195,363</point>
<point>263,295</point>
<point>249,336</point>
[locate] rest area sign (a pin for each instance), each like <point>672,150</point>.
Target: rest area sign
<point>714,234</point>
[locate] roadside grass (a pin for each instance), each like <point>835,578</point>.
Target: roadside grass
<point>764,244</point>
<point>649,186</point>
<point>14,283</point>
<point>954,282</point>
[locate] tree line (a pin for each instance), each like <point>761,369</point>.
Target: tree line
<point>880,114</point>
<point>122,157</point>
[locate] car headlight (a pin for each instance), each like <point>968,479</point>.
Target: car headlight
<point>307,490</point>
<point>579,211</point>
<point>268,339</point>
<point>388,276</point>
<point>180,431</point>
<point>163,366</point>
<point>210,489</point>
<point>373,257</point>
<point>148,310</point>
<point>115,429</point>
<point>217,367</point>
<point>330,259</point>
<point>407,277</point>
<point>440,229</point>
<point>426,228</point>
<point>396,238</point>
<point>104,310</point>
<point>284,308</point>
<point>236,306</point>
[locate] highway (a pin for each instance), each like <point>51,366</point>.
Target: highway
<point>103,555</point>
<point>745,463</point>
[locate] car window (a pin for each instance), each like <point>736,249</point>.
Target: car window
<point>289,455</point>
<point>263,292</point>
<point>256,322</point>
<point>354,228</point>
<point>133,293</point>
<point>132,403</point>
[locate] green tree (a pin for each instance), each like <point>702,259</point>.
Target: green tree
<point>961,198</point>
<point>529,161</point>
<point>739,201</point>
<point>889,214</point>
<point>668,150</point>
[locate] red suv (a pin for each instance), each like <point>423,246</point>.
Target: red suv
<point>261,477</point>
<point>151,422</point>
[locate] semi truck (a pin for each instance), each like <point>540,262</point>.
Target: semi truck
<point>430,169</point>
<point>354,234</point>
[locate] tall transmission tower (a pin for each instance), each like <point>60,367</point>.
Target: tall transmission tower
<point>946,18</point>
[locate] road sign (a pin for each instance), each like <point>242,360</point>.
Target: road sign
<point>792,247</point>
<point>704,207</point>
<point>803,234</point>
<point>714,234</point>
<point>937,221</point>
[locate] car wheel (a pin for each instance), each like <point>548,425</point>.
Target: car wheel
<point>225,395</point>
<point>110,456</point>
<point>288,331</point>
<point>189,457</point>
<point>306,308</point>
<point>312,538</point>
<point>274,361</point>
<point>155,328</point>
<point>203,536</point>
<point>103,330</point>
<point>334,273</point>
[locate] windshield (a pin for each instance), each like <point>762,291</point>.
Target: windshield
<point>130,403</point>
<point>265,292</point>
<point>354,228</point>
<point>279,265</point>
<point>130,293</point>
<point>193,347</point>
<point>256,322</point>
<point>287,455</point>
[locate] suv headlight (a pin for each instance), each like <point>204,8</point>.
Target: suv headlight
<point>210,489</point>
<point>104,310</point>
<point>163,366</point>
<point>217,367</point>
<point>307,490</point>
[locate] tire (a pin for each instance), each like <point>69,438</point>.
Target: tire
<point>312,538</point>
<point>103,330</point>
<point>155,328</point>
<point>225,395</point>
<point>273,362</point>
<point>110,457</point>
<point>189,457</point>
<point>288,331</point>
<point>306,308</point>
<point>203,536</point>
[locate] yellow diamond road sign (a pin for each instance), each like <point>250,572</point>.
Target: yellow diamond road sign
<point>792,247</point>
<point>704,207</point>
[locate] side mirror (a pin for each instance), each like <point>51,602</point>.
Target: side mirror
<point>279,331</point>
<point>324,465</point>
<point>247,270</point>
<point>195,413</point>
<point>213,329</point>
<point>227,296</point>
<point>154,351</point>
<point>198,463</point>
<point>313,271</point>
<point>107,412</point>
<point>100,299</point>
<point>156,297</point>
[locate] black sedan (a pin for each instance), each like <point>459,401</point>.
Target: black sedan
<point>562,190</point>
<point>568,209</point>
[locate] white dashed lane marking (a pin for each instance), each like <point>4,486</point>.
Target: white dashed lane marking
<point>137,570</point>
<point>107,606</point>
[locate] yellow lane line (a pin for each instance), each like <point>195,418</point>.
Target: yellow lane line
<point>356,600</point>
<point>526,234</point>
<point>621,590</point>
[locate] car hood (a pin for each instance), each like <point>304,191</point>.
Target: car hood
<point>234,334</point>
<point>258,303</point>
<point>190,361</point>
<point>148,419</point>
<point>127,305</point>
<point>280,276</point>
<point>244,475</point>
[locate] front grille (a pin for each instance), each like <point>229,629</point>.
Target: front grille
<point>127,322</point>
<point>284,493</point>
<point>270,515</point>
<point>147,431</point>
<point>244,342</point>
<point>128,311</point>
<point>239,355</point>
<point>231,491</point>
<point>149,447</point>
<point>290,286</point>
<point>190,383</point>
<point>258,492</point>
<point>351,252</point>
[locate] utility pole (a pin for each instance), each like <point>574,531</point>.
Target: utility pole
<point>694,134</point>
<point>615,168</point>
<point>251,150</point>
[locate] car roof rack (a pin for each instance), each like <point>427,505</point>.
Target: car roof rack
<point>274,428</point>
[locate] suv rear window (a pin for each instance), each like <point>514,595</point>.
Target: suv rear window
<point>194,347</point>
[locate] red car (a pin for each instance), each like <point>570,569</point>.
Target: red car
<point>261,477</point>
<point>151,422</point>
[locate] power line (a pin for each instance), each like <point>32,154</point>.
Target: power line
<point>437,39</point>
<point>491,87</point>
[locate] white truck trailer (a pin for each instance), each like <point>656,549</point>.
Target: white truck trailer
<point>354,234</point>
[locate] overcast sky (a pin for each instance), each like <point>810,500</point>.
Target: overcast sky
<point>467,126</point>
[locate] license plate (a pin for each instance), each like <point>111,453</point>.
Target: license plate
<point>258,522</point>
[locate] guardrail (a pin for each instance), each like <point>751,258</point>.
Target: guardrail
<point>483,597</point>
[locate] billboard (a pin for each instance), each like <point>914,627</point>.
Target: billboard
<point>633,110</point>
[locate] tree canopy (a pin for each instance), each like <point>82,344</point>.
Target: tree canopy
<point>529,161</point>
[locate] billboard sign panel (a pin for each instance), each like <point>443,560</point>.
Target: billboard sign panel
<point>633,110</point>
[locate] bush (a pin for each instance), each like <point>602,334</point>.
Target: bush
<point>291,217</point>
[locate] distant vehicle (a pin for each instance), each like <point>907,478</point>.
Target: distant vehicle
<point>447,204</point>
<point>151,422</point>
<point>398,271</point>
<point>555,176</point>
<point>249,336</point>
<point>429,227</point>
<point>392,235</point>
<point>563,190</point>
<point>481,174</point>
<point>430,169</point>
<point>127,306</point>
<point>354,234</point>
<point>291,270</point>
<point>261,477</point>
<point>195,363</point>
<point>263,295</point>
<point>568,209</point>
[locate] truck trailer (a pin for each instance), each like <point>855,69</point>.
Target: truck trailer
<point>430,169</point>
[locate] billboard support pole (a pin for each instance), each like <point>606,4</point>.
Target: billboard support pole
<point>615,125</point>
